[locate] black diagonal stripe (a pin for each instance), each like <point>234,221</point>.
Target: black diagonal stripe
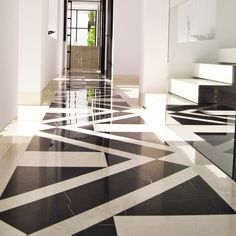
<point>183,121</point>
<point>143,136</point>
<point>109,143</point>
<point>45,144</point>
<point>132,120</point>
<point>194,197</point>
<point>25,179</point>
<point>105,228</point>
<point>216,138</point>
<point>209,118</point>
<point>51,210</point>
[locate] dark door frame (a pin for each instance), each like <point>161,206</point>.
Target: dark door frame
<point>105,35</point>
<point>106,38</point>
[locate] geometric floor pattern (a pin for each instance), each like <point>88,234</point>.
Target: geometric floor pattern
<point>96,168</point>
<point>209,128</point>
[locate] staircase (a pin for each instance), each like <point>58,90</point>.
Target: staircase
<point>207,79</point>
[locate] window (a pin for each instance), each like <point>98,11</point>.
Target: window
<point>83,27</point>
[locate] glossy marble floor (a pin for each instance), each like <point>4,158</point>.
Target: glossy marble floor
<point>94,163</point>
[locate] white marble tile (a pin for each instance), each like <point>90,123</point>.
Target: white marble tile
<point>109,209</point>
<point>189,153</point>
<point>7,230</point>
<point>5,144</point>
<point>69,110</point>
<point>176,158</point>
<point>170,120</point>
<point>225,146</point>
<point>25,113</point>
<point>206,115</point>
<point>165,133</point>
<point>219,181</point>
<point>187,132</point>
<point>24,128</point>
<point>63,159</point>
<point>204,225</point>
<point>219,112</point>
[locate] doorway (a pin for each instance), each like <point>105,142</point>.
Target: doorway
<point>89,27</point>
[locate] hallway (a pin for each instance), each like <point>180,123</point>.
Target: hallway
<point>92,162</point>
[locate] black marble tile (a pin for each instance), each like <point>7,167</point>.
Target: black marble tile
<point>109,143</point>
<point>105,228</point>
<point>68,105</point>
<point>48,211</point>
<point>194,197</point>
<point>114,159</point>
<point>72,121</point>
<point>142,136</point>
<point>132,120</point>
<point>101,106</point>
<point>180,107</point>
<point>230,151</point>
<point>183,121</point>
<point>116,96</point>
<point>63,122</point>
<point>108,105</point>
<point>123,104</point>
<point>26,179</point>
<point>216,139</point>
<point>110,115</point>
<point>87,127</point>
<point>49,116</point>
<point>209,118</point>
<point>45,144</point>
<point>220,107</point>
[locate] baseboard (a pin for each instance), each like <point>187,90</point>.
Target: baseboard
<point>5,144</point>
<point>127,79</point>
<point>29,98</point>
<point>38,98</point>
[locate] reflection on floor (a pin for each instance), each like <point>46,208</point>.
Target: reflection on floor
<point>208,127</point>
<point>96,164</point>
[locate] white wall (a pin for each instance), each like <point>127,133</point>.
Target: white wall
<point>8,61</point>
<point>52,15</point>
<point>38,53</point>
<point>127,37</point>
<point>183,55</point>
<point>154,47</point>
<point>30,12</point>
<point>49,45</point>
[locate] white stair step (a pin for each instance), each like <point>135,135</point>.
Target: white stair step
<point>214,72</point>
<point>227,55</point>
<point>189,88</point>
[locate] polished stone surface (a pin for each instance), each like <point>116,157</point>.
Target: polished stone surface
<point>193,197</point>
<point>94,164</point>
<point>209,127</point>
<point>61,206</point>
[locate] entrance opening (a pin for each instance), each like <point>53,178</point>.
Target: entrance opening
<point>89,28</point>
<point>82,36</point>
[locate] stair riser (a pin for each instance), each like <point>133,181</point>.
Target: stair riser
<point>184,90</point>
<point>227,55</point>
<point>219,73</point>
